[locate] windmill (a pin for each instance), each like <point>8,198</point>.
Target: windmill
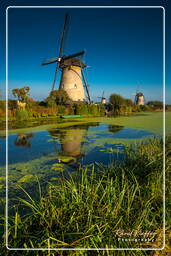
<point>103,99</point>
<point>72,79</point>
<point>139,98</point>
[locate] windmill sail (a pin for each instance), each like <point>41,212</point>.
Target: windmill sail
<point>61,47</point>
<point>86,86</point>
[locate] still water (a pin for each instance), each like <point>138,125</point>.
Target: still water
<point>85,144</point>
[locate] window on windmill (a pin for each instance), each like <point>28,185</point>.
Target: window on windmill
<point>75,86</point>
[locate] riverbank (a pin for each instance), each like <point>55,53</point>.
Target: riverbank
<point>151,121</point>
<point>88,208</point>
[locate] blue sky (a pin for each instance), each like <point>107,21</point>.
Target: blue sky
<point>123,49</point>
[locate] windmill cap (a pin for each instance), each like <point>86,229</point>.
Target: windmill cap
<point>139,94</point>
<point>73,62</point>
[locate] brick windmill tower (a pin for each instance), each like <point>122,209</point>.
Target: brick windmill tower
<point>72,80</point>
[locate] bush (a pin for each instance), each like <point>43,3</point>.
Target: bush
<point>93,110</point>
<point>62,109</point>
<point>155,104</point>
<point>144,107</point>
<point>59,97</point>
<point>129,102</point>
<point>22,114</point>
<point>81,108</point>
<point>12,104</point>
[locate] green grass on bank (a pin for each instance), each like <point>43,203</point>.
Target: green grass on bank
<point>84,209</point>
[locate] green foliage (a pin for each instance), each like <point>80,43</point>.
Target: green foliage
<point>50,102</point>
<point>22,114</point>
<point>93,110</point>
<point>89,109</point>
<point>81,108</point>
<point>21,93</point>
<point>128,102</point>
<point>155,104</point>
<point>12,104</point>
<point>117,100</point>
<point>59,97</point>
<point>61,109</point>
<point>144,107</point>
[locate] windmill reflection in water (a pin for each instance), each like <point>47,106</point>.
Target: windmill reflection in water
<point>71,140</point>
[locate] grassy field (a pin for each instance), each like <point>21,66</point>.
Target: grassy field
<point>86,208</point>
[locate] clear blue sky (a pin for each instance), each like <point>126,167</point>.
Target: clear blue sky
<point>123,48</point>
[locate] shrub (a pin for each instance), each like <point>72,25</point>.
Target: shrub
<point>22,114</point>
<point>144,107</point>
<point>59,97</point>
<point>129,102</point>
<point>155,104</point>
<point>92,109</point>
<point>12,104</point>
<point>81,108</point>
<point>62,109</point>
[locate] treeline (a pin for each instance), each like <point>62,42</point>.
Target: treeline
<point>119,105</point>
<point>58,103</point>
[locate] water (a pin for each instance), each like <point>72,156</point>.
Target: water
<point>85,144</point>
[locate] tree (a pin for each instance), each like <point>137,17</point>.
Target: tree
<point>21,93</point>
<point>155,104</point>
<point>129,102</point>
<point>116,100</point>
<point>60,97</point>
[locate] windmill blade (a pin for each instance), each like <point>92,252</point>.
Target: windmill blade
<point>66,57</point>
<point>61,47</point>
<point>50,61</point>
<point>56,72</point>
<point>66,22</point>
<point>86,86</point>
<point>103,94</point>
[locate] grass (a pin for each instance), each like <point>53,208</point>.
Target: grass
<point>86,208</point>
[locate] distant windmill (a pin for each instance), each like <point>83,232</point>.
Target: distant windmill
<point>72,79</point>
<point>103,99</point>
<point>139,98</point>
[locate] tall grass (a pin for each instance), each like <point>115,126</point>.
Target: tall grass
<point>86,208</point>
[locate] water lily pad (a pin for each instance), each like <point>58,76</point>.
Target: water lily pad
<point>58,167</point>
<point>66,159</point>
